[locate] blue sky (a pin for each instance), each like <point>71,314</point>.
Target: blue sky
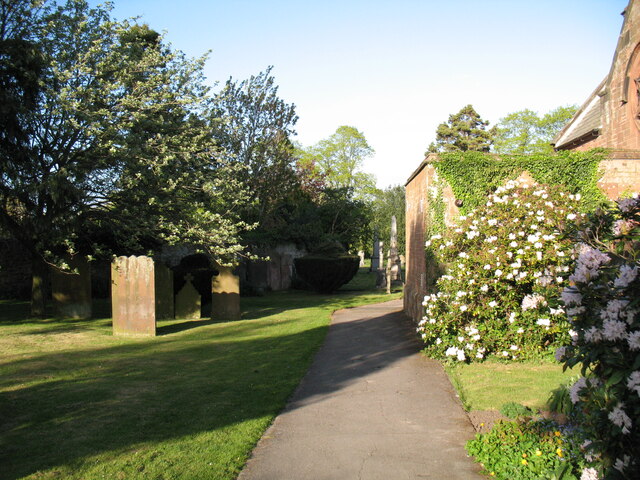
<point>396,69</point>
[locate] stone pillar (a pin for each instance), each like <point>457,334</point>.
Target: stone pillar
<point>133,296</point>
<point>393,250</point>
<point>165,308</point>
<point>188,300</point>
<point>375,256</point>
<point>225,295</point>
<point>71,291</point>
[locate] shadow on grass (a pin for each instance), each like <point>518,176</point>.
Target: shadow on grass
<point>113,398</point>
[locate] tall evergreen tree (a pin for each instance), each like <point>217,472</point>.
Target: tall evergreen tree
<point>463,131</point>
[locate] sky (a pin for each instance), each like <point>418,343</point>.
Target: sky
<point>396,69</point>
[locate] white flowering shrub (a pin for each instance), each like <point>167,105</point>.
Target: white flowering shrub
<point>503,262</point>
<point>602,302</point>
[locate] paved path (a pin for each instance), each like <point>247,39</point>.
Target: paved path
<point>371,407</point>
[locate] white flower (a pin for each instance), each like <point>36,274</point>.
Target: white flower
<point>622,463</point>
<point>493,304</point>
<point>614,330</point>
<point>626,204</point>
<point>543,321</point>
<point>627,275</point>
<point>532,301</point>
<point>633,339</point>
<point>463,308</point>
<point>484,288</point>
<point>574,391</point>
<point>571,296</point>
<point>633,382</point>
<point>571,216</point>
<point>512,317</point>
<point>513,347</point>
<point>521,330</point>
<point>593,335</point>
<point>498,273</point>
<point>620,418</point>
<point>589,474</point>
<point>513,244</point>
<point>438,341</point>
<point>487,267</point>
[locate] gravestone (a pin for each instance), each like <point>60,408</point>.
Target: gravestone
<point>188,300</point>
<point>225,295</point>
<point>394,258</point>
<point>375,256</point>
<point>164,291</point>
<point>71,291</point>
<point>361,255</point>
<point>381,275</point>
<point>133,296</point>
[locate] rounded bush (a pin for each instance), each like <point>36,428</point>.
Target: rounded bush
<point>504,263</point>
<point>326,273</point>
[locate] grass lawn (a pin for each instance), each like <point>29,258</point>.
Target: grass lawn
<point>491,384</point>
<point>78,403</point>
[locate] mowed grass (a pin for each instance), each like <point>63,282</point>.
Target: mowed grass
<point>491,384</point>
<point>79,403</point>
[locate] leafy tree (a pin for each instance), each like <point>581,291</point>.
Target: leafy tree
<point>524,132</point>
<point>463,131</point>
<point>339,158</point>
<point>117,139</point>
<point>386,203</point>
<point>255,129</point>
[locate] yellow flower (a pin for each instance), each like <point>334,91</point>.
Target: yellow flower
<point>524,455</point>
<point>557,433</point>
<point>524,462</point>
<point>493,474</point>
<point>538,453</point>
<point>559,452</point>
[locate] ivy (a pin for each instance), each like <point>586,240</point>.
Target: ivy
<point>474,175</point>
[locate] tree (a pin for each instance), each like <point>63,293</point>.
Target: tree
<point>118,139</point>
<point>524,132</point>
<point>255,129</point>
<point>340,158</point>
<point>387,203</point>
<point>463,131</point>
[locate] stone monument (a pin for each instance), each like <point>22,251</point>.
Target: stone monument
<point>164,291</point>
<point>133,296</point>
<point>71,291</point>
<point>225,295</point>
<point>188,300</point>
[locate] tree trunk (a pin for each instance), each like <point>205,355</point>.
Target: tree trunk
<point>39,283</point>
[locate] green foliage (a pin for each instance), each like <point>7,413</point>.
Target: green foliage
<point>559,400</point>
<point>464,131</point>
<point>529,450</point>
<point>327,268</point>
<point>340,158</point>
<point>602,303</point>
<point>502,260</point>
<point>119,141</point>
<point>514,410</point>
<point>523,132</point>
<point>254,126</point>
<point>474,175</point>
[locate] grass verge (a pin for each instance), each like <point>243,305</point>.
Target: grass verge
<point>78,403</point>
<point>491,384</point>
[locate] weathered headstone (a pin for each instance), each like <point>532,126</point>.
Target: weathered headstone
<point>225,295</point>
<point>375,256</point>
<point>71,291</point>
<point>394,258</point>
<point>188,300</point>
<point>133,296</point>
<point>381,275</point>
<point>163,291</point>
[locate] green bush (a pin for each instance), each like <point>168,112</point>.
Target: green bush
<point>602,303</point>
<point>325,273</point>
<point>539,449</point>
<point>504,262</point>
<point>514,410</point>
